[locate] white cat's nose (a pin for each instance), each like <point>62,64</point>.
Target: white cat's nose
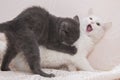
<point>92,22</point>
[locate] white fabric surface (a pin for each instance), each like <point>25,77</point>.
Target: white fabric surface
<point>64,75</point>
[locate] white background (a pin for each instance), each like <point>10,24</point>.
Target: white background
<point>107,52</point>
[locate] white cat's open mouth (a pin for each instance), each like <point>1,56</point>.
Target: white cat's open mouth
<point>89,28</point>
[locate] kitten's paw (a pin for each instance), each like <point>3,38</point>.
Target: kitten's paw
<point>73,50</point>
<point>5,69</point>
<point>52,75</point>
<point>49,75</point>
<point>45,74</point>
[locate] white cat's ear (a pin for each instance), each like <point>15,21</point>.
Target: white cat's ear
<point>90,12</point>
<point>108,25</point>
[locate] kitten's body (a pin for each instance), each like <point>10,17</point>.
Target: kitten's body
<point>34,27</point>
<point>90,35</point>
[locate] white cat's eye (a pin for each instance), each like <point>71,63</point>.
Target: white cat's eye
<point>90,18</point>
<point>98,23</point>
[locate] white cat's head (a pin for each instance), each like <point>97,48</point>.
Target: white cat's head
<point>94,27</point>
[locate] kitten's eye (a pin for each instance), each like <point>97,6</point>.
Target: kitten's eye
<point>66,32</point>
<point>98,24</point>
<point>90,18</point>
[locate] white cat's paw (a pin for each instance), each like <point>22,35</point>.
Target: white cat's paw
<point>72,68</point>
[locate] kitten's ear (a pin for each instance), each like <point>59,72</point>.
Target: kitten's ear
<point>90,12</point>
<point>106,26</point>
<point>76,18</point>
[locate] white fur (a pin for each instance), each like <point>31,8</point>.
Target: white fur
<point>84,44</point>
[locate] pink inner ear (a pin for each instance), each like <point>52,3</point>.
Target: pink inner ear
<point>89,28</point>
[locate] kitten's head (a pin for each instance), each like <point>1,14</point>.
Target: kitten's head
<point>94,27</point>
<point>69,30</point>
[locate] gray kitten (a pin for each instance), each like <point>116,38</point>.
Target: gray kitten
<point>33,27</point>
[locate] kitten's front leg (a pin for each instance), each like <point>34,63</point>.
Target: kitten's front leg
<point>63,48</point>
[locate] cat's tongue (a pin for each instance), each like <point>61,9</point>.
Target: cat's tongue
<point>89,28</point>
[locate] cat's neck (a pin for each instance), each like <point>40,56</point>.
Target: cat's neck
<point>84,45</point>
<point>54,23</point>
